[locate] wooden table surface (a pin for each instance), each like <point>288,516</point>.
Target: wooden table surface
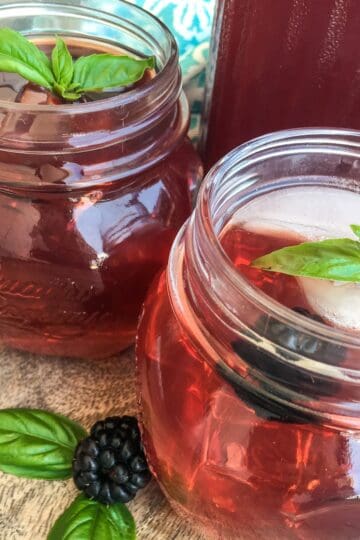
<point>85,391</point>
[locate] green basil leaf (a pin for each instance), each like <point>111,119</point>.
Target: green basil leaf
<point>89,520</point>
<point>38,444</point>
<point>62,63</point>
<point>99,71</point>
<point>337,260</point>
<point>70,96</point>
<point>66,93</point>
<point>19,55</point>
<point>356,229</point>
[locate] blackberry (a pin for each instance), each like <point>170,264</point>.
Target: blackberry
<point>263,407</point>
<point>294,340</point>
<point>268,363</point>
<point>298,342</point>
<point>109,465</point>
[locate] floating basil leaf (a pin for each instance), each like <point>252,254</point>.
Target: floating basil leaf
<point>99,71</point>
<point>62,64</point>
<point>337,260</point>
<point>19,55</point>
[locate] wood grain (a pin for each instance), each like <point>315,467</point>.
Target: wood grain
<point>85,391</point>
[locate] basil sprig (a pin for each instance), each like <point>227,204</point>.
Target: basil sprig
<point>39,444</point>
<point>62,75</point>
<point>335,259</point>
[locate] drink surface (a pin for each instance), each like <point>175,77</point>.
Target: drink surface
<point>302,70</point>
<point>76,262</point>
<point>226,462</point>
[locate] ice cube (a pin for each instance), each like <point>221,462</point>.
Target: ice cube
<point>31,94</point>
<point>337,303</point>
<point>312,212</point>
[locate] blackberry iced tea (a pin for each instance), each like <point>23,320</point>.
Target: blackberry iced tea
<point>92,193</point>
<point>249,380</point>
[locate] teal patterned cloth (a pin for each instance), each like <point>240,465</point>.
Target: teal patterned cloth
<point>190,21</point>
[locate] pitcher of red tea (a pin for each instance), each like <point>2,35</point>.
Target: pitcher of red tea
<point>93,188</point>
<point>280,64</point>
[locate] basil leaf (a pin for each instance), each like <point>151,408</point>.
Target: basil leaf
<point>99,71</point>
<point>38,444</point>
<point>62,63</point>
<point>356,229</point>
<point>89,520</point>
<point>66,93</point>
<point>337,260</point>
<point>19,55</point>
<point>71,93</point>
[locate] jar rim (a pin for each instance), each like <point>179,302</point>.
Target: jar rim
<point>121,100</point>
<point>340,139</point>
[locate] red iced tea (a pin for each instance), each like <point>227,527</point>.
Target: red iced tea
<point>221,457</point>
<point>248,424</point>
<point>92,194</point>
<point>243,246</point>
<point>280,64</point>
<point>75,269</point>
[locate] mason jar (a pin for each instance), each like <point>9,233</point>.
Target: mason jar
<point>91,194</point>
<point>250,396</point>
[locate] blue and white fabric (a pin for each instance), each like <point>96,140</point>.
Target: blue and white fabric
<point>190,21</point>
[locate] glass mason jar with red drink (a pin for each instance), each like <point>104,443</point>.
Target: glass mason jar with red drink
<point>92,192</point>
<point>250,378</point>
<point>278,65</point>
